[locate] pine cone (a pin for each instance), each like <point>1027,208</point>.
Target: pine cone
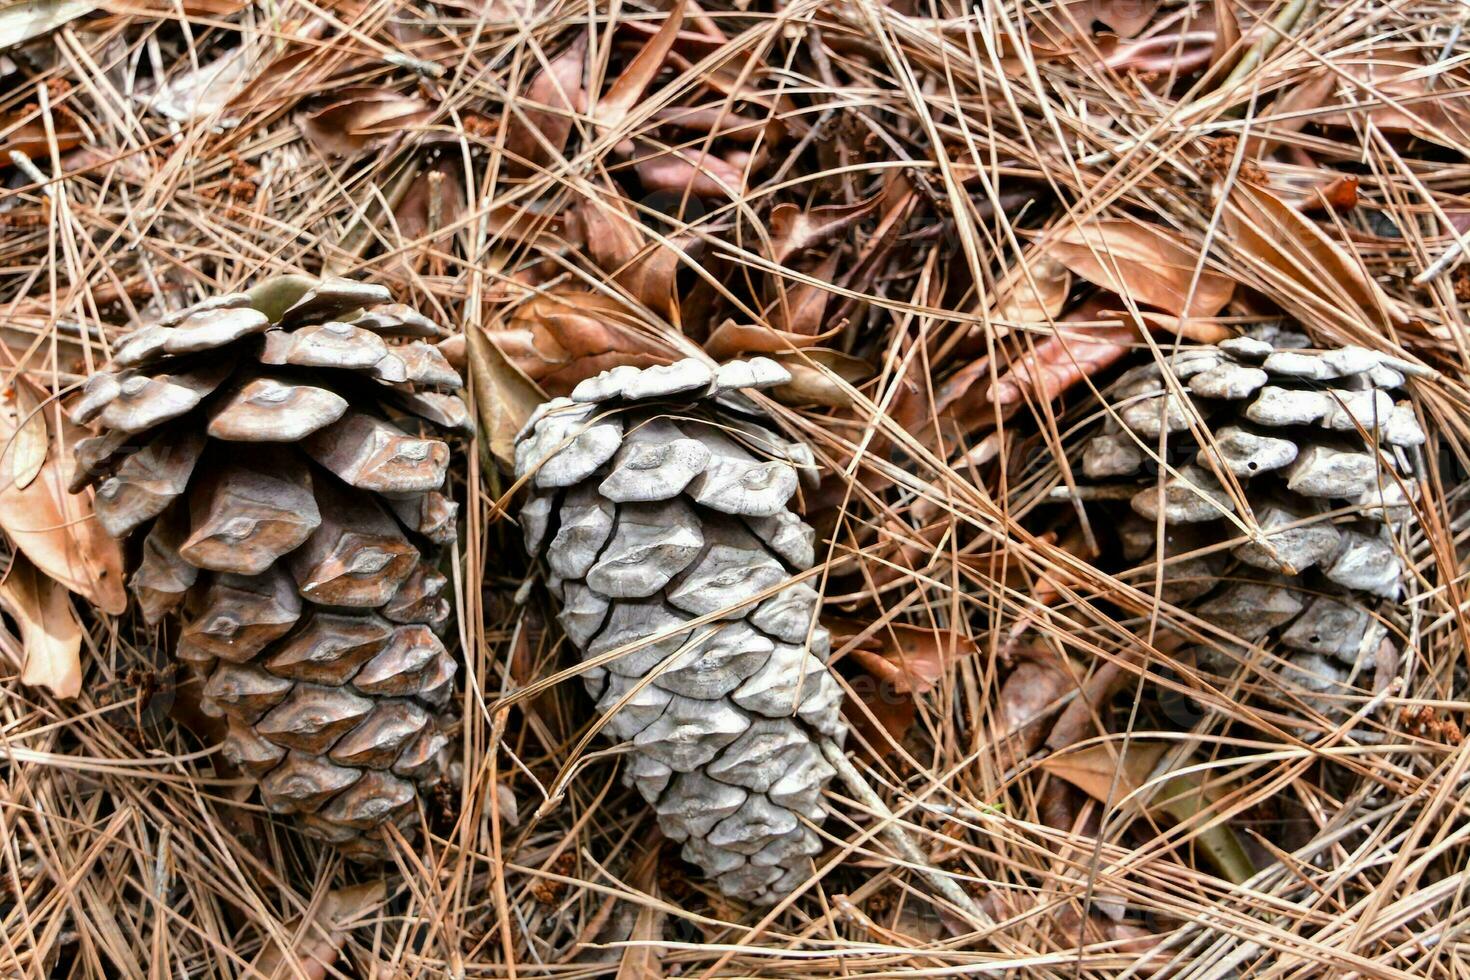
<point>659,502</point>
<point>1323,454</point>
<point>274,453</point>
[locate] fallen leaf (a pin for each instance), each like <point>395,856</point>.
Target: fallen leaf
<point>361,119</point>
<point>826,383</point>
<point>1263,227</point>
<point>540,133</point>
<point>912,659</point>
<point>1431,98</point>
<point>1038,298</point>
<point>23,131</point>
<point>558,339</point>
<point>203,92</point>
<point>630,84</point>
<point>873,700</point>
<point>801,307</point>
<point>644,266</point>
<point>702,174</point>
<point>50,633</point>
<point>1027,703</point>
<point>1061,361</point>
<point>504,398</point>
<point>731,339</point>
<point>54,528</point>
<point>1101,773</point>
<point>1153,265</point>
<point>317,944</point>
<point>25,452</point>
<point>793,228</point>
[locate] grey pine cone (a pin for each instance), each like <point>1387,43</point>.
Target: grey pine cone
<point>1323,451</point>
<point>277,455</point>
<point>658,499</point>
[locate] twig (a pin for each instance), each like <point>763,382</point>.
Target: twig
<point>901,842</point>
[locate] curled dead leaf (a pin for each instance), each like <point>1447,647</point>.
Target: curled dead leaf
<point>541,130</point>
<point>25,452</point>
<point>54,528</point>
<point>1153,265</point>
<point>363,118</point>
<point>558,339</point>
<point>821,377</point>
<point>1061,361</point>
<point>731,339</point>
<point>1314,275</point>
<point>912,659</point>
<point>504,398</point>
<point>317,943</point>
<point>1114,776</point>
<point>50,633</point>
<point>793,228</point>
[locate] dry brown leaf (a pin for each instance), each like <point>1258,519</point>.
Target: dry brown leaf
<point>1027,699</point>
<point>558,339</point>
<point>55,528</point>
<point>25,452</point>
<point>363,118</point>
<point>702,174</point>
<point>504,398</point>
<point>318,943</point>
<point>50,633</point>
<point>628,88</point>
<point>1039,299</point>
<point>1101,773</point>
<point>731,339</point>
<point>18,133</point>
<point>802,307</point>
<point>1153,265</point>
<point>1264,227</point>
<point>1432,101</point>
<point>911,659</point>
<point>644,266</point>
<point>821,383</point>
<point>794,229</point>
<point>1061,361</point>
<point>542,134</point>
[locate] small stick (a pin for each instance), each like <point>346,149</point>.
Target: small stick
<point>901,842</point>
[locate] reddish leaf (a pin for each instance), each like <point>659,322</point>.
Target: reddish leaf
<point>821,383</point>
<point>1060,362</point>
<point>50,634</point>
<point>628,88</point>
<point>53,527</point>
<point>731,339</point>
<point>911,659</point>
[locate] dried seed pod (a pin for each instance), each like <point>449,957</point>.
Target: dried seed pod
<point>1305,439</point>
<point>294,527</point>
<point>648,524</point>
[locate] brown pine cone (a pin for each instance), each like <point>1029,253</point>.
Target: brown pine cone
<point>275,455</point>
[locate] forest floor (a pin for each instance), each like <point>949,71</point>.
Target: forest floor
<point>956,228</point>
